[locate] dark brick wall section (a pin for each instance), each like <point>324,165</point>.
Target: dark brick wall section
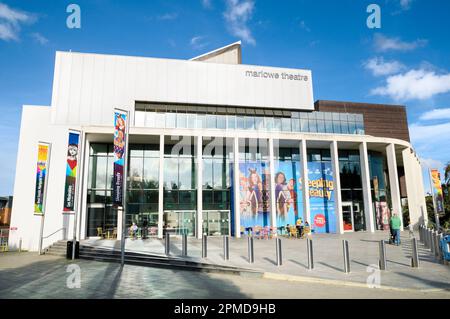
<point>381,120</point>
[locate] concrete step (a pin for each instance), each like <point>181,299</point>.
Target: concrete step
<point>98,254</point>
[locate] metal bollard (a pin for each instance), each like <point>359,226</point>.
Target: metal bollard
<point>226,247</point>
<point>167,244</point>
<point>251,255</point>
<point>429,246</point>
<point>309,247</point>
<point>204,246</point>
<point>415,254</point>
<point>382,262</point>
<point>346,256</point>
<point>425,237</point>
<point>20,245</point>
<point>279,253</point>
<point>184,245</point>
<point>437,251</point>
<point>432,243</point>
<point>420,233</point>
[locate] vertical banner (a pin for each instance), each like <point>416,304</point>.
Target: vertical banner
<point>41,178</point>
<point>254,190</point>
<point>120,140</point>
<point>437,190</point>
<point>321,197</point>
<point>288,192</point>
<point>71,171</point>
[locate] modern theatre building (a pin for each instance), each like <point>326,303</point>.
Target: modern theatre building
<point>214,146</point>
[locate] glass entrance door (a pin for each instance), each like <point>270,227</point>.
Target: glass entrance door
<point>179,222</point>
<point>216,222</point>
<point>347,216</point>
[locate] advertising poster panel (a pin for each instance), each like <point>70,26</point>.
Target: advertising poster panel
<point>41,178</point>
<point>71,171</point>
<point>437,190</point>
<point>321,197</point>
<point>288,192</point>
<point>254,194</point>
<point>120,141</point>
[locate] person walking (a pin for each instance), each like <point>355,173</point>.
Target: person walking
<point>396,224</point>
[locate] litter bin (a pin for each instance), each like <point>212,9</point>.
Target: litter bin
<point>69,249</point>
<point>445,247</point>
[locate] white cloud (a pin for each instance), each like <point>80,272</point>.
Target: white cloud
<point>427,133</point>
<point>198,42</point>
<point>304,26</point>
<point>237,15</point>
<point>39,38</point>
<point>379,67</point>
<point>431,163</point>
<point>168,16</point>
<point>11,20</point>
<point>383,43</point>
<point>405,4</point>
<point>206,4</point>
<point>436,114</point>
<point>418,84</point>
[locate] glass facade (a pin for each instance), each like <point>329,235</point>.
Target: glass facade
<point>143,183</point>
<point>231,118</point>
<point>102,216</point>
<point>379,189</point>
<point>351,190</point>
<point>180,187</point>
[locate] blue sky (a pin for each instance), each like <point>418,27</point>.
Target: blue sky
<point>406,62</point>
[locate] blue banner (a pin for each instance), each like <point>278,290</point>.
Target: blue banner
<point>321,197</point>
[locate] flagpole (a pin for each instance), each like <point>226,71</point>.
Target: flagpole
<point>124,192</point>
<point>77,192</point>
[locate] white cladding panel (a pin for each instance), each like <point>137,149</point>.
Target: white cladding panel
<point>87,87</point>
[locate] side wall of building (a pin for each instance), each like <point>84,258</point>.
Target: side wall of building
<point>36,127</point>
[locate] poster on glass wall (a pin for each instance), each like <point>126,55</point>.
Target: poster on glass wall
<point>254,188</point>
<point>288,188</point>
<point>321,197</point>
<point>71,171</point>
<point>41,177</point>
<point>120,144</point>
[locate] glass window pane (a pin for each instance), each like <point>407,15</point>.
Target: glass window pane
<point>240,122</point>
<point>160,120</point>
<point>344,127</point>
<point>151,173</point>
<point>259,123</point>
<point>221,122</point>
<point>249,122</point>
<point>136,150</point>
<point>185,179</point>
<point>337,127</point>
<point>286,124</point>
<point>98,179</point>
<point>277,124</point>
<point>171,173</point>
<point>110,172</point>
<point>268,123</point>
<point>191,120</point>
<point>329,126</point>
<point>207,173</point>
<point>150,119</point>
<point>211,121</point>
<point>304,125</point>
<point>181,120</point>
<point>312,125</point>
<point>171,120</point>
<point>231,122</point>
<point>295,125</point>
<point>321,126</point>
<point>201,121</point>
<point>135,172</point>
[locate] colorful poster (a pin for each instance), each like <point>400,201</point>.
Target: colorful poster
<point>321,197</point>
<point>437,190</point>
<point>254,189</point>
<point>41,178</point>
<point>383,215</point>
<point>288,192</point>
<point>120,139</point>
<point>71,171</point>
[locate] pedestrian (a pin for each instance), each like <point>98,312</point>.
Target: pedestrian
<point>395,224</point>
<point>144,228</point>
